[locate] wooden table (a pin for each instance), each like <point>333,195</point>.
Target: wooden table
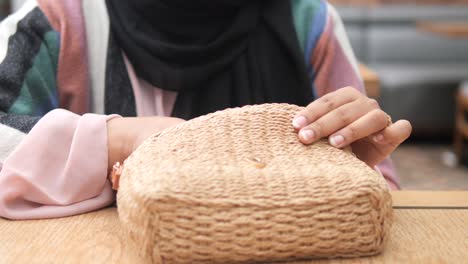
<point>371,81</point>
<point>430,227</point>
<point>444,28</point>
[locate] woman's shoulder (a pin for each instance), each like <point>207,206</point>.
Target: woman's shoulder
<point>308,9</point>
<point>310,17</point>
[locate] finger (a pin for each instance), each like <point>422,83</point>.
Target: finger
<point>335,120</point>
<point>394,135</point>
<point>325,104</point>
<point>386,141</point>
<point>372,122</point>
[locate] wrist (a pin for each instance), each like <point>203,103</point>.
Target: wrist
<point>119,143</point>
<point>124,135</point>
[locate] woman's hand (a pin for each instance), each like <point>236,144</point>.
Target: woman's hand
<point>125,135</point>
<point>348,117</point>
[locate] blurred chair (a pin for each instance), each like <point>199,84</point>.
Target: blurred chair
<point>461,126</point>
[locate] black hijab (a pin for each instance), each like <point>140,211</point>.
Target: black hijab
<point>215,53</point>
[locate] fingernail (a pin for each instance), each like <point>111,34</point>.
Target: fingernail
<point>378,138</point>
<point>337,140</point>
<point>307,135</point>
<point>299,122</point>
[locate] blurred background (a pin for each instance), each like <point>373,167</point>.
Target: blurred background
<point>414,59</point>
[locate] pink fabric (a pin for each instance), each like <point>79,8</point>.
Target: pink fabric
<point>388,171</point>
<point>150,100</point>
<point>58,170</point>
<point>66,17</point>
<point>332,68</point>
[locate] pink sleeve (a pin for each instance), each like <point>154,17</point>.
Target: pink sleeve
<point>387,169</point>
<point>335,67</point>
<point>333,62</point>
<point>59,169</point>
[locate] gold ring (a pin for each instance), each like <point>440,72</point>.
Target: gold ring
<point>389,120</point>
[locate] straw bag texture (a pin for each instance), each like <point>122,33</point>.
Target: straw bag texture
<point>237,186</point>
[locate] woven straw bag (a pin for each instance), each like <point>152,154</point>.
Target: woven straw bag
<point>237,186</point>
